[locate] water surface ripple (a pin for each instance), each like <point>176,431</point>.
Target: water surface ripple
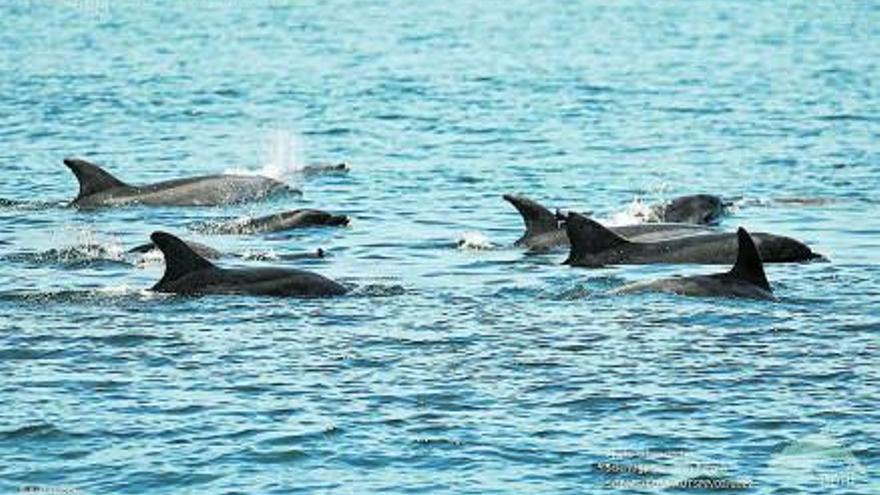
<point>449,370</point>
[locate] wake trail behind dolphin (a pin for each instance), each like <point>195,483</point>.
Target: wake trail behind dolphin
<point>27,205</point>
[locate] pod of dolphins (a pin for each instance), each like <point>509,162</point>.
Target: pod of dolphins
<point>680,231</point>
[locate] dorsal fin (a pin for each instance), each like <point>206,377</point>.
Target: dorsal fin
<point>180,259</point>
<point>749,266</point>
<point>538,219</point>
<point>92,178</point>
<point>588,237</point>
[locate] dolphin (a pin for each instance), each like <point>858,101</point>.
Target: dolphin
<point>746,279</point>
<point>544,232</point>
<point>325,169</point>
<point>594,245</point>
<point>188,273</point>
<point>287,220</point>
<point>699,209</point>
<point>98,187</point>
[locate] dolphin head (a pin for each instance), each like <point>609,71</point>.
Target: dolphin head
<point>326,169</point>
<point>704,209</point>
<point>786,249</point>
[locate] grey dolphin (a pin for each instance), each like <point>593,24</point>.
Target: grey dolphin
<point>544,232</point>
<point>287,220</point>
<point>700,209</point>
<point>595,245</point>
<point>98,187</point>
<point>188,273</point>
<point>325,169</point>
<point>746,279</point>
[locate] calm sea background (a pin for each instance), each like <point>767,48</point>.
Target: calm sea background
<point>473,369</point>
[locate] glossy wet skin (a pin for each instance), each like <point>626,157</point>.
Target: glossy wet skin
<point>325,169</point>
<point>644,232</point>
<point>746,279</point>
<point>209,190</point>
<point>254,281</point>
<point>701,286</point>
<point>197,191</point>
<point>287,220</point>
<point>701,209</point>
<point>594,248</point>
<point>188,273</point>
<point>781,249</point>
<point>545,232</point>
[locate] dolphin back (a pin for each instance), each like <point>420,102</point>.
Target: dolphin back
<point>92,178</point>
<point>180,259</point>
<point>588,237</point>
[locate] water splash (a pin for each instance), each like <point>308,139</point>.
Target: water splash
<point>378,290</point>
<point>260,255</point>
<point>152,257</point>
<point>282,156</point>
<point>121,290</point>
<point>222,226</point>
<point>636,212</point>
<point>88,248</point>
<point>101,296</point>
<point>476,241</point>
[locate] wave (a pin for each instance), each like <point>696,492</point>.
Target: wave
<point>16,204</point>
<point>100,296</point>
<point>73,256</point>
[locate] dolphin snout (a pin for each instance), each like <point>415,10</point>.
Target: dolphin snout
<point>338,220</point>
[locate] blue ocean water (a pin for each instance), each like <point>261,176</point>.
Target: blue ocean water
<point>473,369</point>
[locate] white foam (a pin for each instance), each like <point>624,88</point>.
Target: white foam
<point>89,244</point>
<point>113,249</point>
<point>242,220</point>
<point>636,212</point>
<point>260,255</point>
<point>474,241</point>
<point>150,258</point>
<point>118,290</point>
